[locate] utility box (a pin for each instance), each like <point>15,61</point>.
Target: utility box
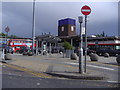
<point>67,27</point>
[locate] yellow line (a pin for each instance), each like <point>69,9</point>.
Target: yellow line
<point>28,71</point>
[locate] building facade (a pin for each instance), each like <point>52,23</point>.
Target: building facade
<point>66,27</point>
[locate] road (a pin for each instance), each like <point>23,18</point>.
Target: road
<point>13,78</point>
<point>107,66</point>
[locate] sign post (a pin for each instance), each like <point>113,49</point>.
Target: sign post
<point>7,29</point>
<point>86,10</point>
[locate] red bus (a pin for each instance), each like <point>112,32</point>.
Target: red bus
<point>17,43</point>
<point>115,46</point>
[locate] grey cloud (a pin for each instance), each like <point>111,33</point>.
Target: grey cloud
<point>18,16</point>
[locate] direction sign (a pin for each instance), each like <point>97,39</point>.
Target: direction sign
<point>86,10</point>
<point>7,29</point>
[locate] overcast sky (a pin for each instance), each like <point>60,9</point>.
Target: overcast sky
<point>18,17</point>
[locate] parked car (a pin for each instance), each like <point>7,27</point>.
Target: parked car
<point>88,51</point>
<point>8,49</point>
<point>23,49</point>
<point>101,51</point>
<point>54,50</point>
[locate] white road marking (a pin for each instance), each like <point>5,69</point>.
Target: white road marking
<point>112,81</point>
<point>3,66</point>
<point>12,74</point>
<point>38,83</point>
<point>101,67</point>
<point>20,75</point>
<point>93,66</point>
<point>72,63</point>
<point>40,79</point>
<point>9,73</point>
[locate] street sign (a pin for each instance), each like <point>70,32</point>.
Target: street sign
<point>7,29</point>
<point>86,10</point>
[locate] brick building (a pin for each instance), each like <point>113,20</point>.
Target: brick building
<point>67,27</point>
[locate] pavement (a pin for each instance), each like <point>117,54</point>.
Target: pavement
<point>38,64</point>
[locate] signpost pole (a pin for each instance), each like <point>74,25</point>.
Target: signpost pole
<point>7,29</point>
<point>85,41</point>
<point>86,10</point>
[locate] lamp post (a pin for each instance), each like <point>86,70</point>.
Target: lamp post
<point>33,27</point>
<point>81,45</point>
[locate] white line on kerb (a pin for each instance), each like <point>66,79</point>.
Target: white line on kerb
<point>92,66</point>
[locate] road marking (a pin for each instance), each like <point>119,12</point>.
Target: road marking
<point>101,67</point>
<point>9,74</point>
<point>3,66</point>
<point>42,75</point>
<point>104,63</point>
<point>112,81</point>
<point>92,66</point>
<point>38,84</point>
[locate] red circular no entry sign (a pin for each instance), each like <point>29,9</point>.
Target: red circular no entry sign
<point>86,10</point>
<point>7,29</point>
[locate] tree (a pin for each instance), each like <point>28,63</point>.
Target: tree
<point>13,36</point>
<point>67,45</point>
<point>101,35</point>
<point>2,34</point>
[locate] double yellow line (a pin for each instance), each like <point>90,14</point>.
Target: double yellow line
<point>42,75</point>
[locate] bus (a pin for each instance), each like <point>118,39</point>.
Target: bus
<point>114,46</point>
<point>16,44</point>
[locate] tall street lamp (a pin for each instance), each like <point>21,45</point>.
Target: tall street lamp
<point>33,27</point>
<point>81,69</point>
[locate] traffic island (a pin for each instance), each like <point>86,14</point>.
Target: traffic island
<point>76,76</point>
